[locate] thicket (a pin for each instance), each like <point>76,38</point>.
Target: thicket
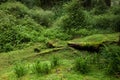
<point>111,54</point>
<point>41,68</point>
<point>74,17</point>
<point>82,65</point>
<point>20,70</point>
<point>21,24</point>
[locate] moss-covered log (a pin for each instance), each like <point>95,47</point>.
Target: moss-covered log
<point>88,47</point>
<point>55,44</point>
<point>92,47</point>
<point>94,42</point>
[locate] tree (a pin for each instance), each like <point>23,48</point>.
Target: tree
<point>119,40</point>
<point>75,17</point>
<point>87,3</point>
<point>108,2</point>
<point>2,1</point>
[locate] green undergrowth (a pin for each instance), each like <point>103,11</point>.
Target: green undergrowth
<point>65,70</point>
<point>40,43</point>
<point>59,62</point>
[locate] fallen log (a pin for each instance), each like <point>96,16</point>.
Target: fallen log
<point>90,46</point>
<point>42,53</point>
<point>55,44</point>
<point>80,46</point>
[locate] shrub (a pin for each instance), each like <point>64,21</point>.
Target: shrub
<point>100,7</point>
<point>116,23</point>
<point>41,68</point>
<point>46,68</point>
<point>98,60</point>
<point>37,67</point>
<point>15,8</point>
<point>7,47</point>
<point>102,22</point>
<point>56,34</point>
<point>31,3</point>
<point>42,17</point>
<point>81,65</point>
<point>74,18</point>
<point>82,32</point>
<point>95,58</point>
<point>20,70</point>
<point>107,22</point>
<point>29,29</point>
<point>14,30</point>
<point>112,58</point>
<point>55,61</point>
<point>8,34</point>
<point>115,10</point>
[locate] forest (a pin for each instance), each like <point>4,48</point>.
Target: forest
<point>59,39</point>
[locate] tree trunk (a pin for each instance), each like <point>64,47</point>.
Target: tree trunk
<point>87,3</point>
<point>108,2</point>
<point>119,40</point>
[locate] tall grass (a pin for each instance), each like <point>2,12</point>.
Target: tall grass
<point>111,55</point>
<point>41,68</point>
<point>20,70</point>
<point>55,61</point>
<point>82,65</point>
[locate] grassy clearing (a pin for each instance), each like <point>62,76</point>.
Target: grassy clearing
<point>64,71</point>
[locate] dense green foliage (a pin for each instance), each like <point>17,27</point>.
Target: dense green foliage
<point>60,27</point>
<point>41,68</point>
<point>21,24</point>
<point>101,7</point>
<point>81,65</point>
<point>20,70</point>
<point>55,61</point>
<point>112,59</point>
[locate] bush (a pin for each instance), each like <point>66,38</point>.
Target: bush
<point>20,70</point>
<point>116,23</point>
<point>107,22</point>
<point>41,68</point>
<point>74,18</point>
<point>55,61</point>
<point>55,33</point>
<point>15,8</point>
<point>115,10</point>
<point>112,59</point>
<point>102,22</point>
<point>8,34</point>
<point>19,10</point>
<point>42,17</point>
<point>29,29</point>
<point>14,31</point>
<point>100,7</point>
<point>81,65</point>
<point>46,68</point>
<point>31,3</point>
<point>37,68</point>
